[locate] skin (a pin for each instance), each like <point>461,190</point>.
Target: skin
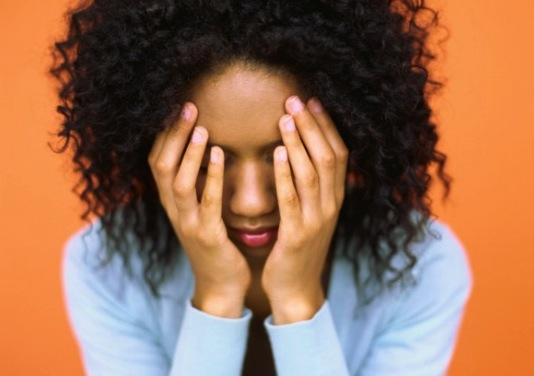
<point>245,109</point>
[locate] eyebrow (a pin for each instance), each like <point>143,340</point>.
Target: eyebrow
<point>230,150</point>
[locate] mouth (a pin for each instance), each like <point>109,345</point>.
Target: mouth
<point>255,238</point>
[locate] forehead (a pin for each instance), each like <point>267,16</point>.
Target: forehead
<point>240,107</point>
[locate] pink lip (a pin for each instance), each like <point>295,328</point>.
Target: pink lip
<point>257,238</point>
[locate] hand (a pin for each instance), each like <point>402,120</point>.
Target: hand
<point>222,275</point>
<point>308,212</point>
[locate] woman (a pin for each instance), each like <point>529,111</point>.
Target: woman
<point>259,174</point>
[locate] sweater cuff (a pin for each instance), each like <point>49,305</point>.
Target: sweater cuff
<point>309,347</point>
<point>210,345</point>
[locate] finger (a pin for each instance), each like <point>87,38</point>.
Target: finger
<point>157,145</point>
<point>288,200</point>
<point>166,164</point>
<point>177,137</point>
<point>307,180</point>
<point>319,149</point>
<point>162,136</point>
<point>336,143</point>
<point>211,202</point>
<point>152,160</point>
<point>184,185</point>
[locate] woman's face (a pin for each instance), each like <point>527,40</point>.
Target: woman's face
<point>241,109</point>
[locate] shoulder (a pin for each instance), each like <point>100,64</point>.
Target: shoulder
<point>442,279</point>
<point>414,325</point>
<point>84,271</point>
<point>82,265</point>
<point>438,256</point>
<point>86,248</point>
<point>442,257</point>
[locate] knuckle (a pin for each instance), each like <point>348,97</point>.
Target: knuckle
<point>205,238</point>
<point>200,235</point>
<point>330,212</point>
<point>219,234</point>
<point>150,160</point>
<point>310,179</point>
<point>176,222</point>
<point>343,154</point>
<point>208,200</point>
<point>186,227</point>
<point>180,190</point>
<point>291,199</point>
<point>162,167</point>
<point>328,160</point>
<point>213,173</point>
<point>168,207</point>
<point>286,175</point>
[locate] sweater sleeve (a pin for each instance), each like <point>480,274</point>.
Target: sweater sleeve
<point>210,345</point>
<point>309,347</point>
<point>113,340</point>
<point>419,336</point>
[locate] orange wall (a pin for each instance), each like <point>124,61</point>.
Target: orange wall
<point>486,116</point>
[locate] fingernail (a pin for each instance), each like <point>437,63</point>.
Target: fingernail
<point>215,155</point>
<point>315,105</point>
<point>295,105</point>
<point>186,112</point>
<point>198,136</point>
<point>288,123</point>
<point>281,154</point>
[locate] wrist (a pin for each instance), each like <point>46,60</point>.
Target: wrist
<point>299,308</point>
<point>222,305</point>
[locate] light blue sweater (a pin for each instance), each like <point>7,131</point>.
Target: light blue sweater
<point>122,330</point>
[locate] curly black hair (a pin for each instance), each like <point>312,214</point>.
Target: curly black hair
<point>124,69</point>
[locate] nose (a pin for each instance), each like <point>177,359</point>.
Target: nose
<point>252,194</point>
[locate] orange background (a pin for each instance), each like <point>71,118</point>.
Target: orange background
<point>486,115</point>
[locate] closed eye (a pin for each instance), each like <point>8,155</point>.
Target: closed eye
<point>228,157</point>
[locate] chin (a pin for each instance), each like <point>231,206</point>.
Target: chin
<point>256,256</point>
